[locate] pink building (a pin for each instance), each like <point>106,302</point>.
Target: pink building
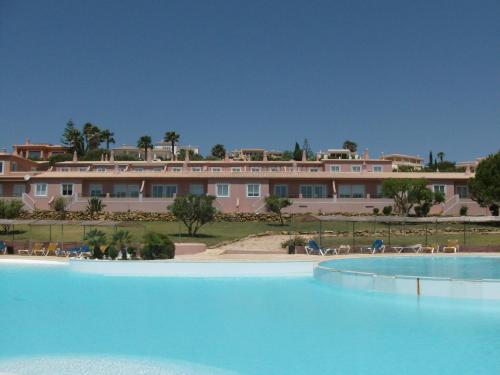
<point>326,185</point>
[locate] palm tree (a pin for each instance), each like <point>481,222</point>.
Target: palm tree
<point>440,156</point>
<point>219,151</point>
<point>145,142</point>
<point>107,136</point>
<point>121,240</point>
<point>92,135</point>
<point>95,239</point>
<point>350,145</point>
<point>173,138</point>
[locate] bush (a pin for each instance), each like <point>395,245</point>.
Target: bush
<point>59,204</point>
<point>275,205</point>
<point>376,211</point>
<point>95,239</point>
<point>194,211</point>
<point>157,246</point>
<point>387,210</point>
<point>10,210</point>
<point>112,252</point>
<point>295,241</point>
<point>463,210</point>
<point>95,205</point>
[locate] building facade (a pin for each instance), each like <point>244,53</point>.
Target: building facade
<point>325,185</point>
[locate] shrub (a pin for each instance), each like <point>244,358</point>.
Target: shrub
<point>157,246</point>
<point>95,205</point>
<point>59,204</point>
<point>387,210</point>
<point>275,204</point>
<point>463,210</point>
<point>112,252</point>
<point>194,211</point>
<point>295,241</point>
<point>10,210</point>
<point>95,239</point>
<point>376,211</point>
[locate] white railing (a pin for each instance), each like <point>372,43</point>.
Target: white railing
<point>450,204</point>
<point>28,201</point>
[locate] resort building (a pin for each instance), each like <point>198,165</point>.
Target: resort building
<point>38,151</point>
<point>160,151</point>
<point>413,162</point>
<point>325,185</point>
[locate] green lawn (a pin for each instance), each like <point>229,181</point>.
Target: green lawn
<point>333,233</point>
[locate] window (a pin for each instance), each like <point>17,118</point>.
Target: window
<point>377,168</point>
<point>34,154</point>
<point>355,168</point>
<point>176,169</point>
<point>95,190</point>
<point>255,169</point>
<point>196,169</point>
<point>1,190</point>
<point>83,169</point>
<point>65,169</point>
<point>156,169</point>
<point>236,169</point>
<point>253,190</point>
<point>138,169</point>
<point>313,191</point>
<point>216,169</point>
<point>281,191</point>
<point>379,191</point>
<point>334,168</point>
<point>462,191</point>
<point>222,190</point>
<point>1,167</point>
<point>41,190</point>
<point>13,167</point>
<point>126,190</point>
<point>66,189</point>
<point>314,169</point>
<point>352,191</point>
<point>439,189</point>
<point>274,169</point>
<point>100,169</point>
<point>18,190</point>
<point>196,189</point>
<point>163,191</point>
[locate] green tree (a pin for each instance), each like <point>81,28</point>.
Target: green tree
<point>72,138</point>
<point>194,211</point>
<point>145,143</point>
<point>276,204</point>
<point>173,138</point>
<point>307,148</point>
<point>350,145</point>
<point>440,156</point>
<point>485,185</point>
<point>107,136</point>
<point>10,210</point>
<point>95,205</point>
<point>157,246</point>
<point>59,205</point>
<point>408,193</point>
<point>431,159</point>
<point>92,136</point>
<point>192,156</point>
<point>297,152</point>
<point>95,239</point>
<point>121,239</point>
<point>219,151</point>
<point>287,155</point>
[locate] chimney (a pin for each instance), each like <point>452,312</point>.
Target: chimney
<point>149,156</point>
<point>102,157</point>
<point>365,154</point>
<point>75,156</point>
<point>112,156</point>
<point>264,157</point>
<point>304,155</point>
<point>226,156</point>
<point>27,141</point>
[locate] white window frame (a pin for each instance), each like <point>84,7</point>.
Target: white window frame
<point>16,187</point>
<point>255,169</point>
<point>63,189</point>
<point>196,169</point>
<point>176,169</point>
<point>2,169</point>
<point>253,194</point>
<point>313,188</point>
<point>353,167</point>
<point>335,168</point>
<point>39,192</point>
<point>313,169</point>
<point>64,169</point>
<point>83,169</point>
<point>285,186</point>
<point>100,169</point>
<point>216,169</point>
<point>236,169</point>
<point>217,190</point>
<point>434,186</point>
<point>378,166</point>
<point>274,169</point>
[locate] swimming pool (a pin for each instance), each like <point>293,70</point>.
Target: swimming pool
<point>53,319</point>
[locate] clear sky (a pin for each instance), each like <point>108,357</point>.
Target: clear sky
<point>394,76</point>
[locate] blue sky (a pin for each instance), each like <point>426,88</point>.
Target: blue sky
<point>394,76</point>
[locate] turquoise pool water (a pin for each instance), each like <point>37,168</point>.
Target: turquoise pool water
<point>463,267</point>
<point>54,321</point>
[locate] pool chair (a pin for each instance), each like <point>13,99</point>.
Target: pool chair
<point>312,247</point>
<point>345,248</point>
<point>451,246</point>
<point>38,249</point>
<point>415,248</point>
<point>53,248</point>
<point>3,247</point>
<point>432,248</point>
<point>377,245</point>
<point>85,252</point>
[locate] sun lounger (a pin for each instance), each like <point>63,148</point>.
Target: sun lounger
<point>345,248</point>
<point>3,247</point>
<point>377,245</point>
<point>432,248</point>
<point>452,246</point>
<point>53,248</point>
<point>80,252</point>
<point>313,248</point>
<point>415,248</point>
<point>38,249</point>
